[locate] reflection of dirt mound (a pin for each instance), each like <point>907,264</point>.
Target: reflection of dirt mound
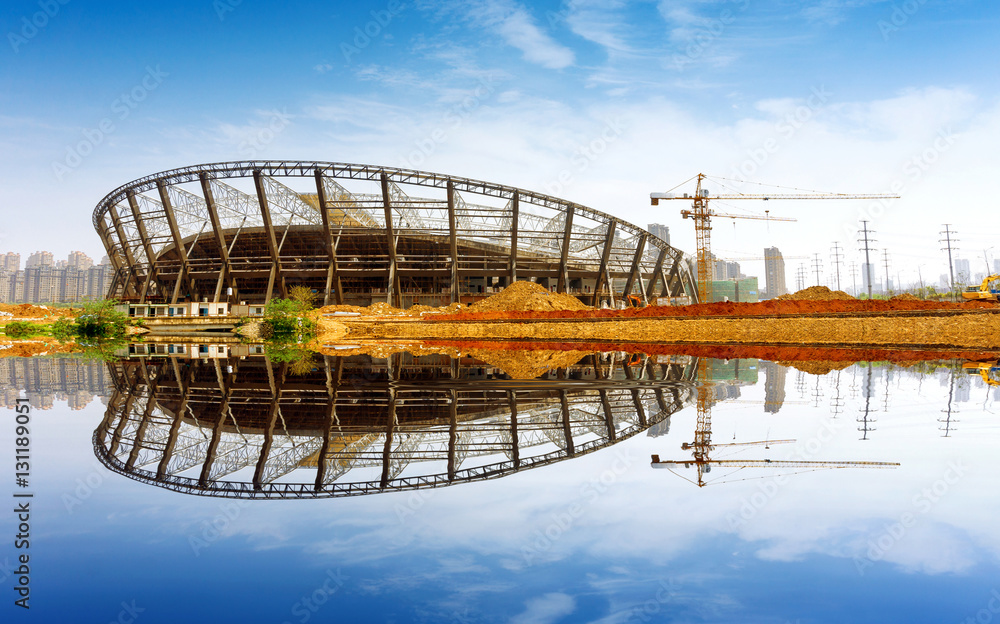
<point>31,348</point>
<point>527,364</point>
<point>818,293</point>
<point>329,330</point>
<point>817,367</point>
<point>835,357</point>
<point>528,296</point>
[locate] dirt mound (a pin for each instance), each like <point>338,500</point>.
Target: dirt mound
<point>384,309</point>
<point>818,293</point>
<point>528,296</point>
<point>905,297</point>
<point>32,311</point>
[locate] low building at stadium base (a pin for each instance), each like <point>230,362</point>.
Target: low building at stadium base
<point>242,233</point>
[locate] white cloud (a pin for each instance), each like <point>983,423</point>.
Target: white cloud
<point>519,29</point>
<point>545,609</point>
<point>833,12</point>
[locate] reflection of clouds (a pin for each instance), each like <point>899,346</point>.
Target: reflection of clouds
<point>544,609</point>
<point>469,538</point>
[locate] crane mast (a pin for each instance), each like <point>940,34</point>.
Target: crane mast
<point>702,215</point>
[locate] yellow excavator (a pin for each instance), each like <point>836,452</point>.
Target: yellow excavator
<point>990,372</point>
<point>989,290</point>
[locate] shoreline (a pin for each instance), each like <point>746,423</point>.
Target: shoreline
<point>972,330</point>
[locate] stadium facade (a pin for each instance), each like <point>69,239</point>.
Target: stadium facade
<point>245,232</point>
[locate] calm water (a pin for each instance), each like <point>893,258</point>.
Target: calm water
<point>403,490</point>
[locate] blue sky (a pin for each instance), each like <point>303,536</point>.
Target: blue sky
<point>597,101</point>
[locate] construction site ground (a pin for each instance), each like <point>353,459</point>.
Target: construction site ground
<point>814,317</point>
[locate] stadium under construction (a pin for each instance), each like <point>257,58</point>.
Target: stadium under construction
<point>245,232</point>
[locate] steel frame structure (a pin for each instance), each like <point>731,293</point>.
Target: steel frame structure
<point>244,428</point>
<point>189,234</point>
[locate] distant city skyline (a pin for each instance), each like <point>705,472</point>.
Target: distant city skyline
<point>47,280</point>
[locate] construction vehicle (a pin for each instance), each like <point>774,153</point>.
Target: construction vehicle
<point>702,444</point>
<point>702,215</point>
<point>989,290</point>
<point>634,301</point>
<point>990,372</point>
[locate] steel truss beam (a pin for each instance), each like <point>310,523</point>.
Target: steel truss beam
<point>410,215</point>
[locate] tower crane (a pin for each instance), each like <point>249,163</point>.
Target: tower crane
<point>702,444</point>
<point>749,258</point>
<point>702,216</point>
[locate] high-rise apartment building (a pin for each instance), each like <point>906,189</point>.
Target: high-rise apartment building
<point>42,281</point>
<point>774,273</point>
<point>660,231</point>
<point>963,272</point>
<point>40,258</point>
<point>79,260</point>
<point>11,262</point>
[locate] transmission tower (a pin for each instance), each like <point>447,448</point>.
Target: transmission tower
<point>817,266</point>
<point>800,277</point>
<point>867,249</point>
<point>948,240</point>
<point>854,276</point>
<point>836,257</point>
<point>885,261</point>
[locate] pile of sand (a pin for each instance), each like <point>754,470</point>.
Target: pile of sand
<point>384,309</point>
<point>818,293</point>
<point>527,297</point>
<point>905,297</point>
<point>32,311</point>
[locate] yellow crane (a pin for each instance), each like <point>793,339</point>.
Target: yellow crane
<point>702,444</point>
<point>702,216</point>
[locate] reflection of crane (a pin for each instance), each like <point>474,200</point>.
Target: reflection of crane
<point>990,373</point>
<point>702,444</point>
<point>702,216</point>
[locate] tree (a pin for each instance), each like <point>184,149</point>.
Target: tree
<point>303,295</point>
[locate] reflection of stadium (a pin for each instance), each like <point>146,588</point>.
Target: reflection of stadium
<point>357,425</point>
<point>232,232</point>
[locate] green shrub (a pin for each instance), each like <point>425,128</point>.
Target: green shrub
<point>101,321</point>
<point>284,321</point>
<point>64,329</point>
